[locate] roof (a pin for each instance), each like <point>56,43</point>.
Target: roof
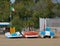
<point>4,23</point>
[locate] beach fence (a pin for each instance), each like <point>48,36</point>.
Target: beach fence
<point>54,23</point>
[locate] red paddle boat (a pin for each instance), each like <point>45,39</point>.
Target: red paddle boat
<point>30,34</point>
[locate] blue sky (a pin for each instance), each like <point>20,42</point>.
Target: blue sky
<point>55,1</point>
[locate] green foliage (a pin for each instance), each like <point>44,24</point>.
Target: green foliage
<point>17,23</point>
<point>4,10</point>
<point>28,12</point>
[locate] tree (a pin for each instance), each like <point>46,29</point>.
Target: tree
<point>28,12</point>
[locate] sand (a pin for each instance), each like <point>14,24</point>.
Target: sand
<point>29,41</point>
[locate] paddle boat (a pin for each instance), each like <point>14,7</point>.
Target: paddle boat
<point>31,34</point>
<point>13,34</point>
<point>47,33</point>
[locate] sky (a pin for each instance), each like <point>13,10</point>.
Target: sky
<point>55,1</point>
